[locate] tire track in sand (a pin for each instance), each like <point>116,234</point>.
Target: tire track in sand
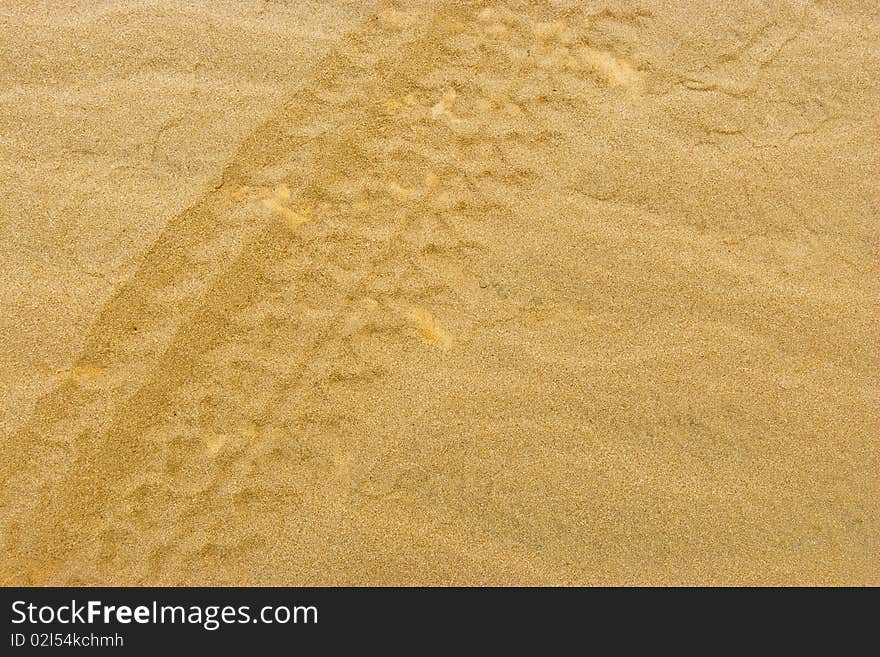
<point>146,347</point>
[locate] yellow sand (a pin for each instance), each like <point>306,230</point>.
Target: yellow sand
<point>439,292</point>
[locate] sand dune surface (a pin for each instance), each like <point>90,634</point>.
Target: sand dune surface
<point>439,293</point>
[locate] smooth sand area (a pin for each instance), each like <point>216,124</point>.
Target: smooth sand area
<point>338,292</point>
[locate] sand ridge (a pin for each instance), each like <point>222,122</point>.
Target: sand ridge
<point>498,293</point>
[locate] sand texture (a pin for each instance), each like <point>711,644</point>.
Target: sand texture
<point>439,292</point>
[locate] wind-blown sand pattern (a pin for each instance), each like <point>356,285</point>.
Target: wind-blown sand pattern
<point>443,293</point>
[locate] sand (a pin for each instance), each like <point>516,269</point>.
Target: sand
<point>300,293</point>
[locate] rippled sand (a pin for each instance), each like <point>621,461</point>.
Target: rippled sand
<point>439,293</point>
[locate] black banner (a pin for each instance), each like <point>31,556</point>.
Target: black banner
<point>414,619</point>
